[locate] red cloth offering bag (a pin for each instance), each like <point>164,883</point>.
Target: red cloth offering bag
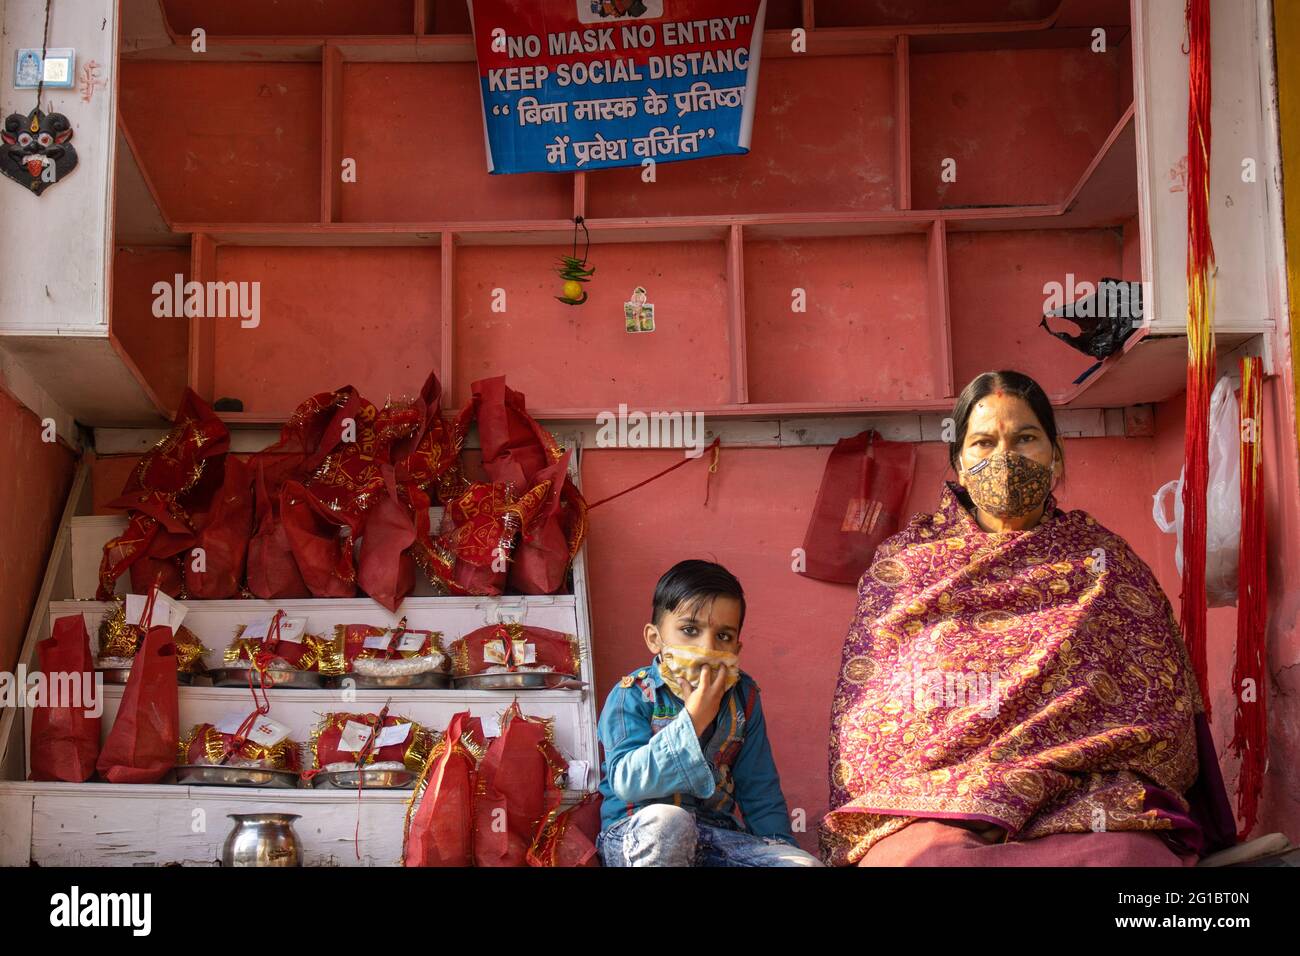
<point>515,447</point>
<point>65,741</point>
<point>321,541</point>
<point>518,787</point>
<point>860,504</point>
<point>439,822</point>
<point>223,536</point>
<point>550,541</point>
<point>172,481</point>
<point>568,837</point>
<point>385,566</point>
<point>141,747</point>
<point>272,571</point>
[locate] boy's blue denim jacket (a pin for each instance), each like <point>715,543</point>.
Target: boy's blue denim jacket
<point>652,755</point>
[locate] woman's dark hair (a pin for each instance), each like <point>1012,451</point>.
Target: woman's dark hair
<point>692,582</point>
<point>1011,382</point>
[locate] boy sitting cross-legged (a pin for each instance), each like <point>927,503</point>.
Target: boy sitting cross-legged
<point>688,777</point>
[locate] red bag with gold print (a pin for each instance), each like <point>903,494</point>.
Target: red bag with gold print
<point>439,827</point>
<point>386,566</point>
<point>551,540</point>
<point>223,537</point>
<point>519,785</point>
<point>472,554</point>
<point>173,480</point>
<point>321,541</point>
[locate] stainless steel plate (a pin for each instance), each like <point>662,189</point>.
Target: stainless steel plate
<point>519,680</point>
<point>374,682</point>
<point>120,675</point>
<point>366,779</point>
<point>238,677</point>
<point>210,776</point>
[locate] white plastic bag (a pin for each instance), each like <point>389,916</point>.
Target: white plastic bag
<point>1223,501</point>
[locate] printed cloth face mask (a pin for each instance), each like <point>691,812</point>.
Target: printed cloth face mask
<point>682,662</point>
<point>1008,485</point>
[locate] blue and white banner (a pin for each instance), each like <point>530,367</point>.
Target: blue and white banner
<point>571,85</point>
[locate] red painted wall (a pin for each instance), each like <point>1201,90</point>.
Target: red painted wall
<point>34,484</point>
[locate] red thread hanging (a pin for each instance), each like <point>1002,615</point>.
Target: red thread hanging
<point>1200,340</point>
<point>1250,724</point>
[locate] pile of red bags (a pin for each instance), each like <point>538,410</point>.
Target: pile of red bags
<point>340,503</point>
<point>496,802</point>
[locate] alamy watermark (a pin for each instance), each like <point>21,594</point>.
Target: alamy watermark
<point>637,429</point>
<point>75,689</point>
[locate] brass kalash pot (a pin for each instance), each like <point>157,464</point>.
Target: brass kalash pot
<point>262,839</point>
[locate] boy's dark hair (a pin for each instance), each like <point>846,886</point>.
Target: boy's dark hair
<point>692,582</point>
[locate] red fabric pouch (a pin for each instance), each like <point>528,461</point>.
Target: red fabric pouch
<point>65,742</point>
<point>223,535</point>
<point>860,504</point>
<point>173,480</point>
<point>439,819</point>
<point>272,571</point>
<point>549,543</point>
<point>321,541</point>
<point>568,838</point>
<point>515,447</point>
<point>518,787</point>
<point>141,747</point>
<point>385,565</point>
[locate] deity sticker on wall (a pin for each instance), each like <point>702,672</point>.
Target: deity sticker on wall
<point>639,315</point>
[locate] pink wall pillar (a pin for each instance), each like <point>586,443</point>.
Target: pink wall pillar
<point>34,483</point>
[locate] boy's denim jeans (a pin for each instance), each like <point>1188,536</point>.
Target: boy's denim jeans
<point>666,835</point>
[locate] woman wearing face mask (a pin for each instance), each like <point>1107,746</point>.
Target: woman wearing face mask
<point>1014,689</point>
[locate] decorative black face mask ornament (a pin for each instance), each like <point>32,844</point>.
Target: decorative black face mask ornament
<point>36,151</point>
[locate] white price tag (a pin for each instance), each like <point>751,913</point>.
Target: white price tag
<point>491,725</point>
<point>379,642</point>
<point>411,642</point>
<point>354,736</point>
<point>529,655</point>
<point>393,734</point>
<point>165,611</point>
<point>263,730</point>
<point>268,732</point>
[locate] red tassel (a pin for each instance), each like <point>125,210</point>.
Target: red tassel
<point>1250,725</point>
<point>1200,340</point>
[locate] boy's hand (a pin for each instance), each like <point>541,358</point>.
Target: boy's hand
<point>703,701</point>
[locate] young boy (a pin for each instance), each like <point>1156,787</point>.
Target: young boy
<point>688,777</point>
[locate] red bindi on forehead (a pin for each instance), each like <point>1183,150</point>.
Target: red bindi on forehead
<point>999,393</point>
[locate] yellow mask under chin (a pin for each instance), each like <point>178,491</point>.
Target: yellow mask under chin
<point>678,662</point>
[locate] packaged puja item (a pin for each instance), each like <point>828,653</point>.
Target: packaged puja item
<point>278,644</point>
<point>512,648</point>
<point>472,553</point>
<point>520,782</point>
<point>265,744</point>
<point>519,452</point>
<point>222,537</point>
<point>374,651</point>
<point>325,514</point>
<point>122,632</point>
<point>64,737</point>
<point>439,827</point>
<point>348,742</point>
<point>568,837</point>
<point>141,746</point>
<point>174,480</point>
